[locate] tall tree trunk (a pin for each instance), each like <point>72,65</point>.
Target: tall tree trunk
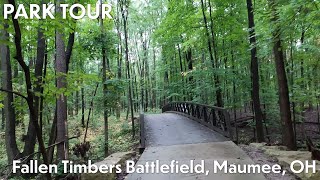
<point>154,92</point>
<point>181,72</point>
<point>292,89</point>
<point>9,111</point>
<point>3,119</point>
<point>146,63</point>
<point>119,62</point>
<point>61,70</point>
<point>302,75</point>
<point>124,12</point>
<point>105,67</point>
<point>285,113</point>
<point>255,74</point>
<point>41,47</point>
<point>190,68</point>
<point>135,94</point>
<point>141,66</point>
<point>165,79</point>
<point>42,88</point>
<point>82,107</point>
<point>225,61</point>
<point>77,103</point>
<point>39,66</point>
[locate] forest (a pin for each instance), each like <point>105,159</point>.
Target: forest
<point>73,89</point>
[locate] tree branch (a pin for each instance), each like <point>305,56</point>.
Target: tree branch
<point>13,92</point>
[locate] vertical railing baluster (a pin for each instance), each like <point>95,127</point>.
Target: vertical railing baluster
<point>228,124</point>
<point>205,114</point>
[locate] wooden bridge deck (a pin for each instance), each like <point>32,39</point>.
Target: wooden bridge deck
<point>171,136</point>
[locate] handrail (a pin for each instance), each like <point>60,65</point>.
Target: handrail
<point>216,118</point>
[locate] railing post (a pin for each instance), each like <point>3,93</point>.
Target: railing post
<point>205,114</point>
<point>228,123</point>
<point>142,134</point>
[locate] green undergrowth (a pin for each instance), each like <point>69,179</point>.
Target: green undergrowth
<point>120,136</point>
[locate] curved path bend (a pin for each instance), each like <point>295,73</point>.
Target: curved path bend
<point>171,136</point>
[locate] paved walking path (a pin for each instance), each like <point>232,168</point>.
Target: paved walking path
<point>175,137</point>
<point>172,129</point>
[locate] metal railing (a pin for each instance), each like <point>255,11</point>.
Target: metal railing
<point>215,118</point>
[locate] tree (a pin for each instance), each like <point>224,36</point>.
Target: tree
<point>61,73</point>
<point>285,112</point>
<point>124,12</point>
<point>119,57</point>
<point>255,74</point>
<point>105,70</point>
<point>34,128</point>
<point>9,111</point>
<point>39,72</point>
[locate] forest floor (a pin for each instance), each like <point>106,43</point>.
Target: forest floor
<point>120,137</point>
<point>261,158</point>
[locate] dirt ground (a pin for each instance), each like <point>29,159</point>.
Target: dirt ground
<point>260,158</point>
